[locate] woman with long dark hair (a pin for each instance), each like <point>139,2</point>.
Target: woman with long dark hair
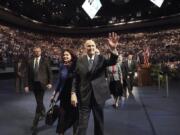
<point>68,113</point>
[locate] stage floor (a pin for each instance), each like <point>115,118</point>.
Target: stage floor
<point>147,112</point>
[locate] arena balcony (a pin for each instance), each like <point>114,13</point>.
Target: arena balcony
<point>67,16</point>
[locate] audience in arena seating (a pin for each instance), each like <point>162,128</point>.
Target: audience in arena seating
<point>164,45</point>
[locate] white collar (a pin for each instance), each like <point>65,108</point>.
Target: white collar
<point>92,58</point>
<point>38,58</point>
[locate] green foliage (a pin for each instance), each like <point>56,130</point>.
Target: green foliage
<point>160,71</point>
<point>156,72</point>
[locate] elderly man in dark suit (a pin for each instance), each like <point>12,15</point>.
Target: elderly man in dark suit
<point>38,78</point>
<point>90,87</point>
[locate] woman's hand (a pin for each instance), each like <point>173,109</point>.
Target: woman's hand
<point>74,99</point>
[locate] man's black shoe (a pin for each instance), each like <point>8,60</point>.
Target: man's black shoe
<point>34,128</point>
<point>34,133</point>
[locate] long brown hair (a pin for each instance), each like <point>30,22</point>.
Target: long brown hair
<point>73,56</point>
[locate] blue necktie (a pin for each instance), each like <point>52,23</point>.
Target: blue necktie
<point>90,64</point>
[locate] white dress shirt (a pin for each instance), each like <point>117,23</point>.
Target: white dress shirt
<point>38,59</point>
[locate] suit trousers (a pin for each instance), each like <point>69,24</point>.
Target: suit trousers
<point>39,95</point>
<point>130,82</point>
<point>84,113</point>
<point>19,84</point>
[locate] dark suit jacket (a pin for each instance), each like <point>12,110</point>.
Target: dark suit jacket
<point>131,69</point>
<point>94,80</point>
<point>124,70</point>
<point>19,70</point>
<point>44,73</point>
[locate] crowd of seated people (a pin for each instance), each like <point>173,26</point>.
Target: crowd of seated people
<point>163,45</point>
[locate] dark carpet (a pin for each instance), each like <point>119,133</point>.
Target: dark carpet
<point>147,112</point>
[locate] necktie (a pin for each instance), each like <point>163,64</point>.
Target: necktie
<point>36,69</point>
<point>36,65</point>
<point>129,63</point>
<point>90,64</point>
<point>113,69</point>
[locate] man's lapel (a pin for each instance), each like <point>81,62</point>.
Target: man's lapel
<point>40,63</point>
<point>32,64</point>
<point>85,61</point>
<point>126,64</point>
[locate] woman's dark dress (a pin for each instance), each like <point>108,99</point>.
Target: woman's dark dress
<point>68,113</point>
